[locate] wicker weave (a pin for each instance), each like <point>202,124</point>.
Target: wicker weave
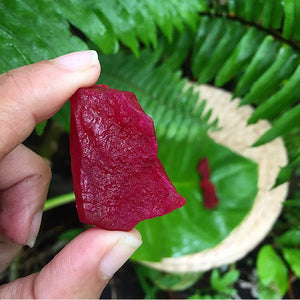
<point>236,135</point>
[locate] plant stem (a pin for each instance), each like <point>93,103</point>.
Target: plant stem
<point>59,200</point>
<point>14,268</point>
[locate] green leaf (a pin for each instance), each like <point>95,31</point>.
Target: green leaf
<point>250,9</point>
<point>176,52</point>
<point>294,162</point>
<point>265,292</point>
<point>281,126</point>
<point>99,30</point>
<point>262,60</point>
<point>205,42</point>
<point>292,203</point>
<point>283,99</point>
<point>194,228</point>
<point>292,19</point>
<point>290,238</point>
<point>144,273</point>
<point>281,69</point>
<point>217,54</point>
<point>283,175</point>
<point>272,272</point>
<point>272,14</point>
<point>241,56</point>
<point>40,127</point>
<point>292,256</point>
<point>223,284</point>
<point>236,7</point>
<point>31,31</point>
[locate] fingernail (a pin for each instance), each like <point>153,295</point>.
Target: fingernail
<point>34,229</point>
<point>118,255</point>
<point>78,61</point>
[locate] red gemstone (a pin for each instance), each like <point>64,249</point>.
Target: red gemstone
<point>117,178</point>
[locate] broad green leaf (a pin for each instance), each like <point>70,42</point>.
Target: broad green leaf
<point>194,228</point>
<point>271,270</point>
<point>292,256</point>
<point>281,126</point>
<point>290,238</point>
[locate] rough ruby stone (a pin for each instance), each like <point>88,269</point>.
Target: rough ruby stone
<point>117,178</point>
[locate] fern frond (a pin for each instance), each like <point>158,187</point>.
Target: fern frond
<point>162,94</point>
<point>265,71</point>
<point>270,14</point>
<point>281,126</point>
<point>241,56</point>
<point>31,30</point>
<point>280,101</point>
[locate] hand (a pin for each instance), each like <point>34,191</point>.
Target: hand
<point>29,95</point>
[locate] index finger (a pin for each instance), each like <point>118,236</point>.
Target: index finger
<point>33,93</point>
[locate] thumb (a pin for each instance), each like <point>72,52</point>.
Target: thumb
<point>81,270</point>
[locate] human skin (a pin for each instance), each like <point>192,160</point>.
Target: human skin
<point>28,96</point>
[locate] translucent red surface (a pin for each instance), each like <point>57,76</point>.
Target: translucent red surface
<point>210,199</point>
<point>117,178</point>
<point>203,168</point>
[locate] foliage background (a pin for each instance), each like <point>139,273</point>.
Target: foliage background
<point>249,47</point>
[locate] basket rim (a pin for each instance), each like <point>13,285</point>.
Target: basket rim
<point>268,203</point>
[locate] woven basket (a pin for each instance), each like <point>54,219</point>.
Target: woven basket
<point>236,135</point>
